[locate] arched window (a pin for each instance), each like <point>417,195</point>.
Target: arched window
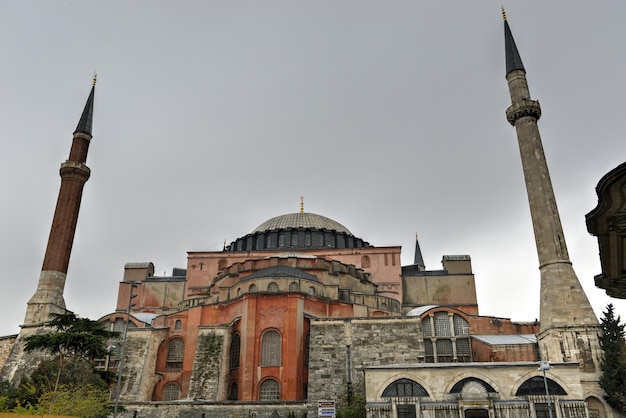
<point>171,392</point>
<point>239,291</point>
<point>446,338</point>
<point>535,386</point>
<point>311,291</point>
<point>472,384</point>
<point>270,390</point>
<point>270,348</point>
<point>235,350</point>
<point>233,392</point>
<point>118,325</point>
<point>252,288</point>
<point>272,287</point>
<point>404,388</point>
<point>221,265</point>
<point>294,238</point>
<point>178,325</point>
<point>294,287</point>
<point>365,262</point>
<point>175,350</point>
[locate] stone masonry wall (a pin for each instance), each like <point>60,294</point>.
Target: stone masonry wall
<point>195,409</point>
<point>340,348</point>
<point>208,378</point>
<point>6,343</point>
<point>140,356</point>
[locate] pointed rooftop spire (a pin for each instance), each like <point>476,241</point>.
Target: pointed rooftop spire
<point>513,60</point>
<point>418,260</point>
<point>85,122</point>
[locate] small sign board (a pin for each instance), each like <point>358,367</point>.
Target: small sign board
<point>326,408</point>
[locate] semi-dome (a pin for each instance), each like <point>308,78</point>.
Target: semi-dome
<point>301,220</point>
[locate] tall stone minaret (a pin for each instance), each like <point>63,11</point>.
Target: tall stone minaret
<point>565,310</point>
<point>48,297</point>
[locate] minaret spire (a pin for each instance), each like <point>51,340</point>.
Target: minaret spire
<point>563,301</point>
<point>418,260</point>
<point>48,297</point>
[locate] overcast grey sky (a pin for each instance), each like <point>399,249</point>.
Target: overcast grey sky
<point>388,116</point>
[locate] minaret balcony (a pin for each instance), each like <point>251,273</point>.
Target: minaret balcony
<point>76,170</point>
<point>522,109</point>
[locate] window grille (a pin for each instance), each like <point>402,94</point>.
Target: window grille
<point>442,324</point>
<point>535,386</point>
<point>307,239</point>
<point>426,327</point>
<point>404,388</point>
<point>281,240</point>
<point>252,288</point>
<point>365,262</point>
<point>171,392</point>
<point>294,287</point>
<point>272,287</point>
<point>444,351</point>
<point>294,238</point>
<point>235,351</point>
<point>175,350</point>
<point>461,327</point>
<point>312,291</point>
<point>178,325</point>
<point>270,348</point>
<point>118,325</point>
<point>463,351</point>
<point>428,351</point>
<point>270,390</point>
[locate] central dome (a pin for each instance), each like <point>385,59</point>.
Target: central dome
<point>301,220</point>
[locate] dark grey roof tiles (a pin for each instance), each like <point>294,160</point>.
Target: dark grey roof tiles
<point>281,271</point>
<point>85,122</point>
<point>513,60</point>
<point>301,220</point>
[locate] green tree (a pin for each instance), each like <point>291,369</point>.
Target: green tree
<point>354,407</point>
<point>74,342</point>
<point>613,379</point>
<point>79,401</point>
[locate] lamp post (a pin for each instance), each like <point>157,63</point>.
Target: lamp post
<point>543,366</point>
<point>120,365</point>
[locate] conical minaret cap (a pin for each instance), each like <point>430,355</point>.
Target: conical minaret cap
<point>513,60</point>
<point>418,260</point>
<point>85,122</point>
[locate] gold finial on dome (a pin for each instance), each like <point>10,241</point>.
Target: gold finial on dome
<point>95,76</point>
<point>301,204</point>
<point>503,13</point>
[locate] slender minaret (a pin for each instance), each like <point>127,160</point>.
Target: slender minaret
<point>563,300</point>
<point>48,297</point>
